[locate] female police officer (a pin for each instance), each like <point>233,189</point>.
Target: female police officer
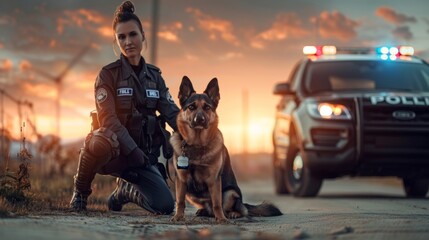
<point>128,93</point>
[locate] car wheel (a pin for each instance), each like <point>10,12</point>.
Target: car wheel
<point>279,176</point>
<point>416,188</point>
<point>299,179</point>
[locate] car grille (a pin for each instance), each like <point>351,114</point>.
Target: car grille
<point>394,137</point>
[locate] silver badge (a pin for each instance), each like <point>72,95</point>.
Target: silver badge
<point>101,95</point>
<point>152,93</point>
<point>124,92</point>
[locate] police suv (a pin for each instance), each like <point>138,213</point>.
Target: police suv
<point>356,112</point>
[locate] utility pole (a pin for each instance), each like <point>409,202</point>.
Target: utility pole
<point>2,129</point>
<point>245,128</point>
<point>154,32</point>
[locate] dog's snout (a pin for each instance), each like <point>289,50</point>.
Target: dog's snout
<point>199,119</point>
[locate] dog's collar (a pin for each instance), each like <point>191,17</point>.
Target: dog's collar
<point>192,151</point>
<point>186,145</point>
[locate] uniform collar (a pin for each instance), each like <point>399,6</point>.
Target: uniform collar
<point>127,70</point>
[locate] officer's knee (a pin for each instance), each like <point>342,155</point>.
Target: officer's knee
<point>100,147</point>
<point>163,204</point>
<point>102,144</point>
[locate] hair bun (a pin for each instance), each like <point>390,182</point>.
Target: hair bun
<point>126,6</point>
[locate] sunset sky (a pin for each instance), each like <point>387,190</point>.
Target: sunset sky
<point>249,45</point>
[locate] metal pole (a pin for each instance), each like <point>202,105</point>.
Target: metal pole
<point>245,127</point>
<point>58,113</point>
<point>2,127</point>
<point>154,32</point>
<point>20,120</point>
<point>58,108</point>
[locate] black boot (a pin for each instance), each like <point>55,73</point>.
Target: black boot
<point>78,201</point>
<point>124,193</point>
<point>82,181</point>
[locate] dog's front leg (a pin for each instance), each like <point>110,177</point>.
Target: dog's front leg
<point>180,201</point>
<point>216,196</point>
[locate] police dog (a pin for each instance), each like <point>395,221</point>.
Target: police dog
<point>203,169</point>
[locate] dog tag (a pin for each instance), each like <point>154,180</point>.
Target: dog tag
<point>182,162</point>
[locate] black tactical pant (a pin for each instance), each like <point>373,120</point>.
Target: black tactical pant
<point>157,196</point>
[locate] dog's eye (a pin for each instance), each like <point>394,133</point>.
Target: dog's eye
<point>191,107</point>
<point>207,107</point>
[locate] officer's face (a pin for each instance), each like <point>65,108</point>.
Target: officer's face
<point>130,40</point>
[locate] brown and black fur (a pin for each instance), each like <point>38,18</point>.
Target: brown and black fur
<point>209,182</point>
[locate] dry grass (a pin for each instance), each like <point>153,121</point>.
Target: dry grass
<point>50,194</point>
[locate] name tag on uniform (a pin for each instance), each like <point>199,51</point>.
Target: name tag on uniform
<point>124,92</point>
<point>151,93</point>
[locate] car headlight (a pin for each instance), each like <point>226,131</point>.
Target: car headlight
<point>329,111</point>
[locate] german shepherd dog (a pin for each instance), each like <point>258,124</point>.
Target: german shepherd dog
<point>204,175</point>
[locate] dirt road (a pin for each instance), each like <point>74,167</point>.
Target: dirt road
<point>346,208</point>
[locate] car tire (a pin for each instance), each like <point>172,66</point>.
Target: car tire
<point>299,179</point>
<point>279,176</point>
<point>416,188</point>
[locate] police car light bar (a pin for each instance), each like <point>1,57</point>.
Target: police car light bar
<point>332,50</point>
<point>319,50</point>
<point>406,50</point>
<point>396,51</point>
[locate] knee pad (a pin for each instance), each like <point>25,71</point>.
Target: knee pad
<point>102,144</point>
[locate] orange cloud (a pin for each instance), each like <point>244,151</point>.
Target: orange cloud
<point>171,32</point>
<point>231,55</point>
<point>52,43</point>
<point>168,36</point>
<point>215,27</point>
<point>83,16</point>
<point>335,25</point>
<point>106,31</point>
<point>191,57</point>
<point>6,64</point>
<point>1,45</point>
<point>47,91</point>
<point>285,26</point>
<point>24,65</point>
<point>389,15</point>
<point>82,80</point>
<point>87,19</point>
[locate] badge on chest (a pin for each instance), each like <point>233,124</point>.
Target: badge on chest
<point>124,92</point>
<point>152,93</point>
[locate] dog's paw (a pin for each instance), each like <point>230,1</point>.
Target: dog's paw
<point>234,215</point>
<point>223,220</point>
<point>177,218</point>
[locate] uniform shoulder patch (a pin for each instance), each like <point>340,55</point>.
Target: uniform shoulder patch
<point>101,95</point>
<point>169,97</point>
<point>114,64</point>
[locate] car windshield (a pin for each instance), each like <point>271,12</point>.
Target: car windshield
<point>367,75</point>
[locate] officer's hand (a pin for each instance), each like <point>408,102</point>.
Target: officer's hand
<point>138,158</point>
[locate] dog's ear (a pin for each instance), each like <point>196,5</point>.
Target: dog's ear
<point>186,90</point>
<point>212,91</point>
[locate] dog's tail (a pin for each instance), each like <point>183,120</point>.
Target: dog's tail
<point>264,209</point>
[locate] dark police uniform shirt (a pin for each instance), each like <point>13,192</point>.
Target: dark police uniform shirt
<point>107,89</point>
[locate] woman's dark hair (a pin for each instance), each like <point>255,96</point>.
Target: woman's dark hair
<point>125,13</point>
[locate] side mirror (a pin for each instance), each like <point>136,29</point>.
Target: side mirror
<point>283,89</point>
